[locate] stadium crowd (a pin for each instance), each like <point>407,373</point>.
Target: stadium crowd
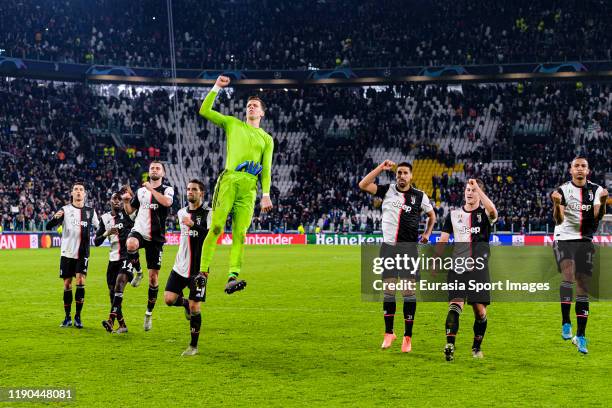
<point>47,141</point>
<point>285,34</point>
<point>54,134</point>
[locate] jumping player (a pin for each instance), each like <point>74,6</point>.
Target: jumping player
<point>248,154</point>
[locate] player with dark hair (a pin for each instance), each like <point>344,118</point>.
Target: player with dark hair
<point>578,206</point>
<point>471,227</point>
<point>76,219</point>
<point>152,201</point>
<point>186,270</point>
<point>402,206</point>
<point>248,155</point>
<point>116,225</point>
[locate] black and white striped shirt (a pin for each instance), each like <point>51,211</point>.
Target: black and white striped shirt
<point>401,212</point>
<point>124,223</point>
<point>151,219</point>
<point>76,230</point>
<point>579,220</point>
<point>187,261</point>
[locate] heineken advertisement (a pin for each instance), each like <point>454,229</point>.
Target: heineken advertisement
<point>344,239</point>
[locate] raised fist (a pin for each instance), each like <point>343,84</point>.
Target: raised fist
<point>222,81</point>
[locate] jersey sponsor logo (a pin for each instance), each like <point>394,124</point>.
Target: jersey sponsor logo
<point>470,230</point>
<point>78,223</point>
<point>580,207</point>
<point>118,226</point>
<point>147,206</point>
<point>404,207</point>
<point>190,233</point>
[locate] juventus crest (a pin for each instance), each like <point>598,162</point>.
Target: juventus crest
<point>591,197</point>
<point>479,217</point>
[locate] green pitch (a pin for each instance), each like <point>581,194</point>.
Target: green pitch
<point>299,335</point>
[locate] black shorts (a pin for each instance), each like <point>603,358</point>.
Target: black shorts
<point>470,278</point>
<point>406,251</point>
<point>113,270</point>
<point>176,283</point>
<point>153,250</point>
<point>69,267</point>
<point>579,251</point>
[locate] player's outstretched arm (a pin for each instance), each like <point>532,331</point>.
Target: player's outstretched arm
<point>266,177</point>
<point>206,110</point>
<point>368,184</point>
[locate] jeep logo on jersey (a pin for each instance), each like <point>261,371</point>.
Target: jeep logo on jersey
<point>148,206</point>
<point>472,230</point>
<point>404,207</point>
<point>580,207</point>
<point>118,226</point>
<point>80,223</point>
<point>190,233</point>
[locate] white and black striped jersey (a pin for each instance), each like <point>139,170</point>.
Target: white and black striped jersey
<point>187,261</point>
<point>76,230</point>
<point>151,219</point>
<point>579,215</point>
<point>124,223</point>
<point>469,226</point>
<point>471,231</point>
<point>401,212</point>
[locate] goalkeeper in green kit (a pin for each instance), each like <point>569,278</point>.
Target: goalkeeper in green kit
<point>248,155</point>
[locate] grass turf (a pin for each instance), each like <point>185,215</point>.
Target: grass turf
<point>298,335</point>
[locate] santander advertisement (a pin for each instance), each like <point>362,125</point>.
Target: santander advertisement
<point>173,238</point>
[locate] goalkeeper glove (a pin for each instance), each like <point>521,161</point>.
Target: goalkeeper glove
<point>201,280</point>
<point>250,167</point>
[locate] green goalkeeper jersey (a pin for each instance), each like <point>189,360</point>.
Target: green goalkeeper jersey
<point>243,141</point>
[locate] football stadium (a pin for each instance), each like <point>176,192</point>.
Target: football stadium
<point>293,203</point>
